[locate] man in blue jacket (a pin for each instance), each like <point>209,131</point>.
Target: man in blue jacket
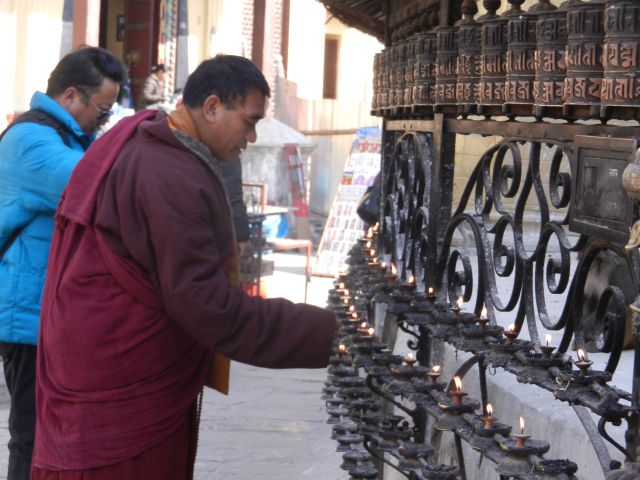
<point>38,151</point>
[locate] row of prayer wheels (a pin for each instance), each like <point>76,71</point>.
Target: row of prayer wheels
<point>577,60</point>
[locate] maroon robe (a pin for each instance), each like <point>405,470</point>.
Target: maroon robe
<point>137,298</point>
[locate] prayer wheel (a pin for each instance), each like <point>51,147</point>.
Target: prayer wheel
<point>493,79</point>
<point>408,80</point>
<point>425,70</point>
<point>585,43</point>
<point>521,73</point>
<point>551,41</point>
<point>376,83</point>
<point>621,59</point>
<point>469,61</point>
<point>446,70</point>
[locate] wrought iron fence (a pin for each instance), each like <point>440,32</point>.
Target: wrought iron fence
<point>546,212</point>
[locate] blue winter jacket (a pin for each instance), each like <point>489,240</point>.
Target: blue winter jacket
<point>35,166</point>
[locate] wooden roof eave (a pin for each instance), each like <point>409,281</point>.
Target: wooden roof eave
<point>357,19</point>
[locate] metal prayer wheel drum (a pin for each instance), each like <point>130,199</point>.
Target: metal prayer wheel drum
<point>469,65</point>
<point>424,71</point>
<point>521,38</point>
<point>409,63</point>
<point>446,69</point>
<point>376,83</point>
<point>380,76</point>
<point>585,42</point>
<point>551,69</point>
<point>394,76</point>
<point>621,82</point>
<point>493,58</point>
<point>521,65</point>
<point>385,79</point>
<point>399,50</point>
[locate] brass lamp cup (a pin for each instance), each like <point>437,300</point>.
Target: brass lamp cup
<point>584,366</point>
<point>547,351</point>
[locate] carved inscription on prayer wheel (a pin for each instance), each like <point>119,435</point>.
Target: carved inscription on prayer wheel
<point>551,69</point>
<point>493,63</point>
<point>446,68</point>
<point>469,61</point>
<point>521,37</point>
<point>621,59</point>
<point>425,69</point>
<point>585,42</point>
<point>399,50</point>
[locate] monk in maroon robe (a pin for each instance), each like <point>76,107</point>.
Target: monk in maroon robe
<point>141,290</point>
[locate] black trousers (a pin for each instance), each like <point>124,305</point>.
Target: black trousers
<point>19,362</point>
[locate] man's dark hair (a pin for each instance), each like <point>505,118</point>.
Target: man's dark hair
<point>230,77</point>
<point>87,68</point>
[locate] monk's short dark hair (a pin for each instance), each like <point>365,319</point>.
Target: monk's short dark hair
<point>86,67</point>
<point>158,68</point>
<point>229,77</point>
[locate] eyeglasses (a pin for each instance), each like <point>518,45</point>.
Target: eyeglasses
<point>103,114</point>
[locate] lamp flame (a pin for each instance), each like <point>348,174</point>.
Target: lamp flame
<point>410,357</point>
<point>383,265</point>
<point>483,313</point>
<point>364,325</point>
<point>431,291</point>
<point>512,327</point>
<point>521,426</point>
<point>460,302</point>
<point>375,227</point>
<point>435,369</point>
<point>411,280</point>
<point>393,269</point>
<point>342,348</point>
<point>368,245</point>
<point>346,291</point>
<point>458,383</point>
<point>371,331</point>
<point>370,232</point>
<point>489,410</point>
<point>581,355</point>
<point>373,252</point>
<point>341,285</point>
<point>547,338</point>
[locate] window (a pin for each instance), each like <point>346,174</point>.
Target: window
<point>330,85</point>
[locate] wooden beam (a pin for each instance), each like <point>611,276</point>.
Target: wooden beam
<point>257,49</point>
<point>443,14</point>
<point>562,132</point>
<point>284,47</point>
<point>328,133</point>
<point>356,18</point>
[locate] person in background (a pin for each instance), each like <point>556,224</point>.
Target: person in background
<point>232,177</point>
<point>141,305</point>
<point>153,91</point>
<point>38,151</point>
